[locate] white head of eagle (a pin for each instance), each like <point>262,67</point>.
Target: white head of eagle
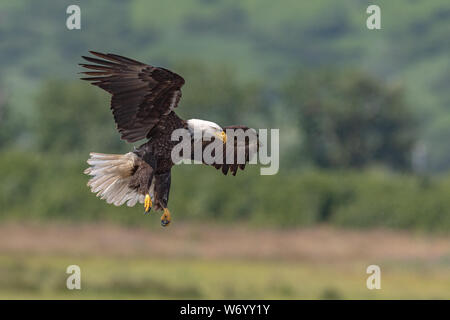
<point>202,129</point>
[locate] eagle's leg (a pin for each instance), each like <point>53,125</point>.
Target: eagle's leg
<point>165,218</point>
<point>161,196</point>
<point>147,203</point>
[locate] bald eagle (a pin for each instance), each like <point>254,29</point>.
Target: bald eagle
<point>143,101</point>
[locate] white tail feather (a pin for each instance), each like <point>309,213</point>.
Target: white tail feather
<point>111,174</point>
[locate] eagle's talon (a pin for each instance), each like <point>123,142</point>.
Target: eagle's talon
<point>147,204</point>
<point>165,218</point>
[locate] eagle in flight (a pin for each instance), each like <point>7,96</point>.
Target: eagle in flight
<point>143,102</point>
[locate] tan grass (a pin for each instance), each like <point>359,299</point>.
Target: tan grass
<point>319,244</point>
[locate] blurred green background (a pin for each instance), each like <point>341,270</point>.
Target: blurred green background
<point>364,125</point>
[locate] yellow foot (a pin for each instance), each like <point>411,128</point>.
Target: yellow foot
<point>147,203</point>
<point>165,218</point>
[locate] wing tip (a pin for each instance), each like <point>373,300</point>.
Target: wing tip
<point>99,54</point>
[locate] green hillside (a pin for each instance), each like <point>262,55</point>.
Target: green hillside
<point>262,41</point>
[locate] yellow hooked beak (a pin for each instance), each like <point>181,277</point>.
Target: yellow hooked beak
<point>222,136</point>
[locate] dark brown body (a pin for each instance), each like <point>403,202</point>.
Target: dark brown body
<point>156,153</point>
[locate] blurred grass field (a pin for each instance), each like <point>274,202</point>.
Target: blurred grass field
<point>131,263</point>
<point>139,278</point>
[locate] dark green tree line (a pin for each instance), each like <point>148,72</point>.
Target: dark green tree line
<point>350,119</point>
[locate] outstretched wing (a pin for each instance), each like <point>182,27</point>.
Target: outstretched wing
<point>141,94</point>
<point>241,146</point>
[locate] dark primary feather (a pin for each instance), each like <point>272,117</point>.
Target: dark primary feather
<point>141,94</point>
